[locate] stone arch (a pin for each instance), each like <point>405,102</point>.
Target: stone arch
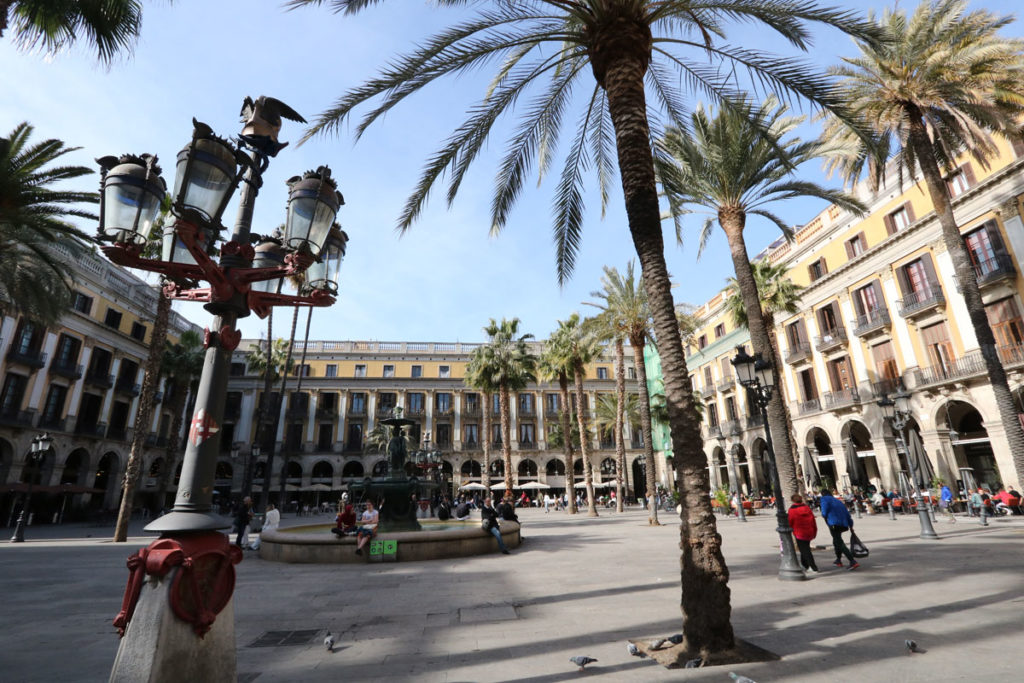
<point>472,469</point>
<point>638,469</point>
<point>760,465</point>
<point>577,467</point>
<point>353,469</point>
<point>823,451</point>
<point>107,470</point>
<point>76,467</point>
<point>743,473</point>
<point>719,468</point>
<point>607,468</point>
<point>964,426</point>
<point>292,472</point>
<point>527,468</point>
<point>497,468</point>
<point>864,446</point>
<point>6,459</point>
<point>555,467</point>
<point>323,472</point>
<point>224,471</point>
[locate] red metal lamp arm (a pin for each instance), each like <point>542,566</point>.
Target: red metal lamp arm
<point>261,302</point>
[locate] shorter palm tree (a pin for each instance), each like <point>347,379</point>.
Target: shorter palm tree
<point>554,366</point>
<point>110,27</point>
<point>181,364</point>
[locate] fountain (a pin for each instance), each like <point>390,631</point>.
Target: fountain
<point>393,496</point>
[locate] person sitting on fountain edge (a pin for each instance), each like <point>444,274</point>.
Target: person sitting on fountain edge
<point>367,527</point>
<point>462,510</point>
<point>346,522</point>
<point>489,518</point>
<point>507,510</point>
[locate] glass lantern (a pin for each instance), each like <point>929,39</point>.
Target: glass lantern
<point>325,272</point>
<point>313,202</point>
<point>132,191</point>
<point>743,363</point>
<point>207,174</point>
<point>269,254</point>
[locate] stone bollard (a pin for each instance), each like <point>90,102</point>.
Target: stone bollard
<point>892,512</point>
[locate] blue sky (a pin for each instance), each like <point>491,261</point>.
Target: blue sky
<point>446,277</point>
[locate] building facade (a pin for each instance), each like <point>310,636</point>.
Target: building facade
<point>326,425</point>
<point>79,381</point>
<point>879,310</point>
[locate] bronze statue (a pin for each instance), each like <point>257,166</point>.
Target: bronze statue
<point>396,450</point>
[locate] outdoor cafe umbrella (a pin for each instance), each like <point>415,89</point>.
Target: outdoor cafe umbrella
<point>854,467</point>
<point>473,486</point>
<point>920,467</point>
<point>532,485</point>
<point>500,486</point>
<point>811,475</point>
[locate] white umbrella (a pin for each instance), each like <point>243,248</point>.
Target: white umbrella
<point>498,487</point>
<point>291,487</point>
<point>473,486</point>
<point>320,487</point>
<point>533,485</point>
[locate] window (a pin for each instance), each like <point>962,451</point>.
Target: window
<point>730,408</point>
<point>99,362</point>
<point>414,403</point>
<point>138,331</point>
<point>796,335</point>
<point>360,370</point>
<point>354,441</point>
<point>630,373</point>
<point>818,269</point>
<point>471,435</point>
<point>83,303</point>
<point>127,372</point>
<point>525,404</point>
<point>708,380</point>
<point>472,402</point>
<point>900,219</point>
<point>67,351</point>
<point>526,435</point>
<point>702,341</point>
<point>389,371</point>
<point>719,330</point>
<point>358,403</point>
<point>960,180</point>
<point>332,370</point>
<point>886,369</point>
<point>808,387</point>
<point>443,402</point>
<point>13,393</point>
<point>712,414</point>
<point>444,371</point>
<point>495,404</point>
<point>304,370</point>
<point>938,346</point>
<point>868,299</point>
<point>986,249</point>
<point>602,373</point>
<point>496,435</point>
<point>417,371</point>
<point>28,337</point>
<point>386,402</point>
<point>551,403</point>
<point>444,436</point>
<point>856,246</point>
<point>237,370</point>
<point>113,319</point>
<point>1004,317</point>
<point>325,433</point>
<point>828,320</point>
<point>917,279</point>
<point>840,374</point>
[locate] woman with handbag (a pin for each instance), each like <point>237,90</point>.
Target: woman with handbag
<point>805,528</point>
<point>838,518</point>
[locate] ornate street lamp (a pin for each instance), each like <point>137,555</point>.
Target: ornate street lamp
<point>324,274</point>
<point>209,170</point>
<point>757,374</point>
<point>40,446</point>
<point>896,410</point>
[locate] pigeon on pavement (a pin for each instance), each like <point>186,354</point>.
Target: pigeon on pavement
<point>657,643</point>
<point>913,647</point>
<point>582,660</point>
<point>739,678</point>
<point>693,663</point>
<point>633,650</point>
<point>675,638</point>
<point>329,642</point>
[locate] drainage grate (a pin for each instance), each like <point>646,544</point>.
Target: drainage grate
<point>282,638</point>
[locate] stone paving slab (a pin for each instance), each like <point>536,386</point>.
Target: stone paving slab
<point>576,586</point>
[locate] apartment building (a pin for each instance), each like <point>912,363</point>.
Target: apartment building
<point>79,381</point>
<point>348,386</point>
<point>880,309</point>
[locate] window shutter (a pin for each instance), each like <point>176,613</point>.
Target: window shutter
<point>879,298</point>
<point>910,212</point>
<point>1017,143</point>
<point>890,226</point>
<point>824,265</point>
<point>998,246</point>
<point>849,249</point>
<point>901,277</point>
<point>929,268</point>
<point>858,303</point>
<point>968,174</point>
<point>863,241</point>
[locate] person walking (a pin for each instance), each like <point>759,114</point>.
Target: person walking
<point>838,518</point>
<point>805,529</point>
<point>489,519</point>
<point>243,516</point>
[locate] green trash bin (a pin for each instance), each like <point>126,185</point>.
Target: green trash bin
<point>385,550</point>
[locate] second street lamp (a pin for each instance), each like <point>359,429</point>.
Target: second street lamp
<point>897,411</point>
<point>757,375</point>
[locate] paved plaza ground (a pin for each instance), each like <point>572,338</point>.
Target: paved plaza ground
<point>576,586</point>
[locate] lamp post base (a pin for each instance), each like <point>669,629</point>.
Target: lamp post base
<point>178,521</point>
<point>927,530</point>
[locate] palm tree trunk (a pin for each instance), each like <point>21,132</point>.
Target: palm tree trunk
<point>305,343</point>
<point>581,419</point>
<point>939,195</point>
<point>485,474</point>
<point>620,413</point>
<point>285,446</point>
<point>619,59</point>
<point>570,471</point>
<point>506,437</point>
<point>650,468</point>
<point>171,456</point>
<point>732,221</point>
<point>264,424</point>
<point>144,416</point>
<point>798,468</point>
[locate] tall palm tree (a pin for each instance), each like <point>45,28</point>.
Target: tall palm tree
<point>735,164</point>
<point>297,281</point>
<point>34,227</point>
<point>579,346</point>
<point>269,364</point>
<point>943,83</point>
<point>554,365</point>
<point>507,364</point>
<point>557,45</point>
<point>110,26</point>
<point>605,330</point>
<point>478,376</point>
<point>181,364</point>
<point>778,294</point>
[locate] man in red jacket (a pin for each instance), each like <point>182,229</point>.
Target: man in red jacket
<point>805,528</point>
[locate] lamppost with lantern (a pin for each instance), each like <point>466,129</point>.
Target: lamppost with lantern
<point>191,565</point>
<point>38,450</point>
<point>758,375</point>
<point>896,410</point>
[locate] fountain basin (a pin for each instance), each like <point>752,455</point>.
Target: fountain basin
<point>302,545</point>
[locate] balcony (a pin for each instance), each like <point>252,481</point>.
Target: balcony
<point>526,411</point>
<point>119,434</point>
<point>551,411</point>
<point>53,424</point>
<point>17,418</point>
<point>127,388</point>
<point>969,365</point>
<point>831,339</point>
<point>328,413</point>
<point>883,387</point>
<point>872,322</point>
<point>990,271</point>
<point>444,412</point>
<point>606,444</point>
<point>527,444</point>
<point>33,358</point>
<point>96,430</point>
<point>727,383</point>
<point>468,411</point>
<point>63,369</point>
<point>99,380</point>
<point>714,432</point>
<point>917,303</point>
<point>357,411</point>
<point>809,406</point>
<point>798,352</point>
<point>232,411</point>
<point>842,398</point>
<point>384,412</point>
<point>707,392</point>
<point>754,421</point>
<point>731,427</point>
<point>471,445</point>
<point>1011,356</point>
<point>636,442</point>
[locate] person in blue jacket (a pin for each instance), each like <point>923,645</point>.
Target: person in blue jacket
<point>838,519</point>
